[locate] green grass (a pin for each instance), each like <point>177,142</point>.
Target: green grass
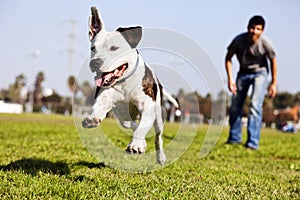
<point>42,157</point>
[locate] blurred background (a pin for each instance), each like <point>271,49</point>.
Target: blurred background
<point>43,45</point>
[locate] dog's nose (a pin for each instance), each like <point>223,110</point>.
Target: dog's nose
<point>95,64</point>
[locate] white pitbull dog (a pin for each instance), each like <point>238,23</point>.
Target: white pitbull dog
<point>125,85</point>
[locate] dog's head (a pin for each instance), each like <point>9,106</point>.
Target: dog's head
<point>113,54</point>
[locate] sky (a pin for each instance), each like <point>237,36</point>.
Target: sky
<point>38,35</point>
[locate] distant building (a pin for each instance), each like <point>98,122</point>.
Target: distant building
<point>10,108</point>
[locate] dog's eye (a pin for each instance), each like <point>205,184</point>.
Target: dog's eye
<point>113,48</point>
<point>93,48</point>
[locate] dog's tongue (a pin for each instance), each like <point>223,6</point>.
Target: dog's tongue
<point>99,82</point>
<point>108,77</point>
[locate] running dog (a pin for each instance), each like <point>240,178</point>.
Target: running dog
<point>125,84</point>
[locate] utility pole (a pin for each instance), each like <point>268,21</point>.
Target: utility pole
<point>71,50</point>
<point>177,62</point>
<point>34,54</point>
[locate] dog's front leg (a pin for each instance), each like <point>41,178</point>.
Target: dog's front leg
<point>138,142</point>
<point>103,104</point>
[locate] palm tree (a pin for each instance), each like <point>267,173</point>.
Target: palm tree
<point>38,93</point>
<point>72,84</point>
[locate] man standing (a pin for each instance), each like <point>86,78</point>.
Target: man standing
<point>254,52</point>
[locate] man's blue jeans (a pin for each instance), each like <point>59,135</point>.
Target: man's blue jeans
<point>259,82</point>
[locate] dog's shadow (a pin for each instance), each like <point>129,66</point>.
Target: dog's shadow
<point>91,165</point>
<point>35,165</point>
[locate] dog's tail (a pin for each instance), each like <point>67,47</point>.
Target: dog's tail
<point>174,101</point>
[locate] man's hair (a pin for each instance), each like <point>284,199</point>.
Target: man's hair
<point>256,20</point>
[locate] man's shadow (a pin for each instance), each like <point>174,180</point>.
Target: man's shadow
<point>34,165</point>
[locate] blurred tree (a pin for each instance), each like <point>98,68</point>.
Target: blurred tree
<point>283,100</point>
<point>23,91</point>
<point>180,93</point>
<point>20,80</point>
<point>13,93</point>
<point>86,88</point>
<point>88,92</point>
<point>297,98</point>
<point>220,105</point>
<point>38,90</point>
<point>72,84</point>
<point>205,106</point>
<point>268,111</point>
<point>53,98</point>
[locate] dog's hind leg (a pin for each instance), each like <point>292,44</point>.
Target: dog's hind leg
<point>126,114</point>
<point>159,127</point>
<point>129,124</point>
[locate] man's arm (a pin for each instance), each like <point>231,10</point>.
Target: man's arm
<point>228,64</point>
<point>273,85</point>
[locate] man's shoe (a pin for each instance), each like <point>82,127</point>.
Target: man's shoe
<point>251,148</point>
<point>232,142</point>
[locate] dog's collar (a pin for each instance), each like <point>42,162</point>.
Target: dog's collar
<point>132,71</point>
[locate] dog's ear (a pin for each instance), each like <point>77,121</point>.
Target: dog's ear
<point>132,35</point>
<point>95,23</point>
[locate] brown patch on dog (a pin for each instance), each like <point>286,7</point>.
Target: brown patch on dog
<point>149,84</point>
<point>161,93</point>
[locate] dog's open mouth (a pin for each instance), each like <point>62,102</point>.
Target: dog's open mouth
<point>106,79</point>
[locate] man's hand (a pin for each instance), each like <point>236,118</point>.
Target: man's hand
<point>272,90</point>
<point>232,86</point>
<point>228,65</point>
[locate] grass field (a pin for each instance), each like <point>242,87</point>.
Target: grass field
<point>42,157</point>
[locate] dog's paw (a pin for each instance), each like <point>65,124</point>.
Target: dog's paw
<point>90,122</point>
<point>136,146</point>
<point>160,157</point>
